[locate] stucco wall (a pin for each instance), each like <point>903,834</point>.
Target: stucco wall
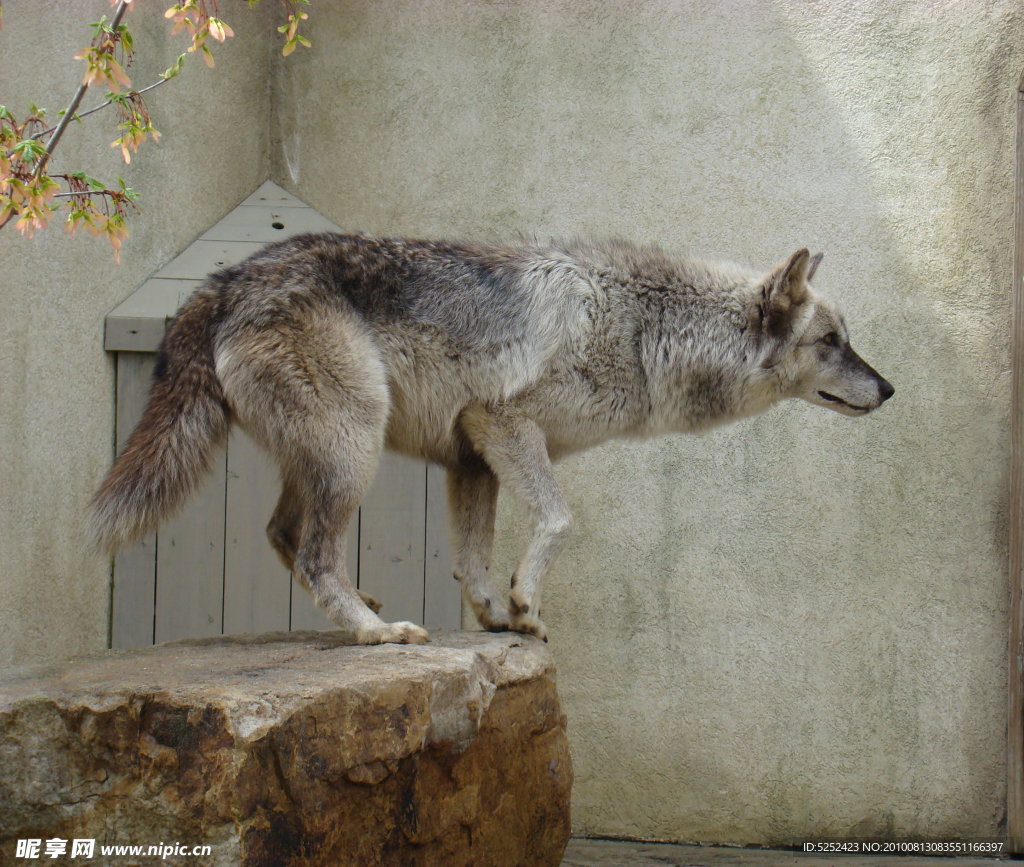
<point>790,628</point>
<point>56,382</point>
<point>795,627</point>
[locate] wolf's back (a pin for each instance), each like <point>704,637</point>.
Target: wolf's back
<point>172,446</point>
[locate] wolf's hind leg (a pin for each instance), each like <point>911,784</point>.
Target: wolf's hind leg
<point>472,500</point>
<point>317,398</point>
<point>320,563</point>
<point>285,530</point>
<point>515,448</point>
<point>285,527</point>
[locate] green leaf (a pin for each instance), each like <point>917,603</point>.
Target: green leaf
<point>175,69</point>
<point>100,26</point>
<point>129,193</point>
<point>29,149</point>
<point>92,182</point>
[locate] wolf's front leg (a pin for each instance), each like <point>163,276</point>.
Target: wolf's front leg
<point>515,447</point>
<point>551,533</point>
<point>472,501</point>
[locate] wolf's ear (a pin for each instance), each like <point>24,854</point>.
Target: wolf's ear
<point>782,293</point>
<point>813,266</point>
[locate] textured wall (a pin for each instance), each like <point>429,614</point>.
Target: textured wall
<point>796,626</point>
<point>789,628</point>
<point>56,382</point>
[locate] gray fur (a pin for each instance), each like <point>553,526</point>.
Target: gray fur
<point>491,360</point>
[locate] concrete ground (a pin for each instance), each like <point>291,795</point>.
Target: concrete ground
<point>617,853</point>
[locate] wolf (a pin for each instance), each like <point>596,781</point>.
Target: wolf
<point>491,360</point>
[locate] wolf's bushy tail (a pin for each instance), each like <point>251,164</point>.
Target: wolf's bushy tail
<point>173,445</point>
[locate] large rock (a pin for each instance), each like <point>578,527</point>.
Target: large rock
<point>291,748</point>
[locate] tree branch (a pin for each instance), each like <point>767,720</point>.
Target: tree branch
<point>69,112</point>
<point>104,105</point>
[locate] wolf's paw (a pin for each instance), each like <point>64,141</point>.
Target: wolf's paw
<point>494,618</point>
<point>491,611</point>
<point>526,620</point>
<point>401,632</point>
<point>372,603</point>
<point>528,625</point>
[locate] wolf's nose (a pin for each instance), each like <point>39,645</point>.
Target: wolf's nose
<point>885,387</point>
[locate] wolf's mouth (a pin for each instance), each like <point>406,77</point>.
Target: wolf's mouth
<point>831,398</point>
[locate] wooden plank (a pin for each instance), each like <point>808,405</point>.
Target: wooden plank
<point>305,614</point>
<point>392,538</point>
<point>267,224</point>
<point>186,291</point>
<point>201,258</point>
<point>135,566</point>
<point>138,323</point>
<point>155,299</point>
<point>130,334</point>
<point>1015,723</point>
<point>270,194</point>
<point>257,586</point>
<point>442,603</point>
<point>190,565</point>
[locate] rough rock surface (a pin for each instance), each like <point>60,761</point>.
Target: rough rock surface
<point>292,748</point>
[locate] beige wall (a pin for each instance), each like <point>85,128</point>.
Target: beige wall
<point>796,626</point>
<point>56,382</point>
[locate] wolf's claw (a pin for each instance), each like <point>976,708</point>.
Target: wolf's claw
<point>530,624</point>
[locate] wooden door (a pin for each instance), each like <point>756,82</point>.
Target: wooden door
<point>211,570</point>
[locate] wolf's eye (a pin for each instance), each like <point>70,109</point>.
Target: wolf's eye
<point>830,338</point>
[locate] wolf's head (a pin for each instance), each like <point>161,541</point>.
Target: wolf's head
<point>805,344</point>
